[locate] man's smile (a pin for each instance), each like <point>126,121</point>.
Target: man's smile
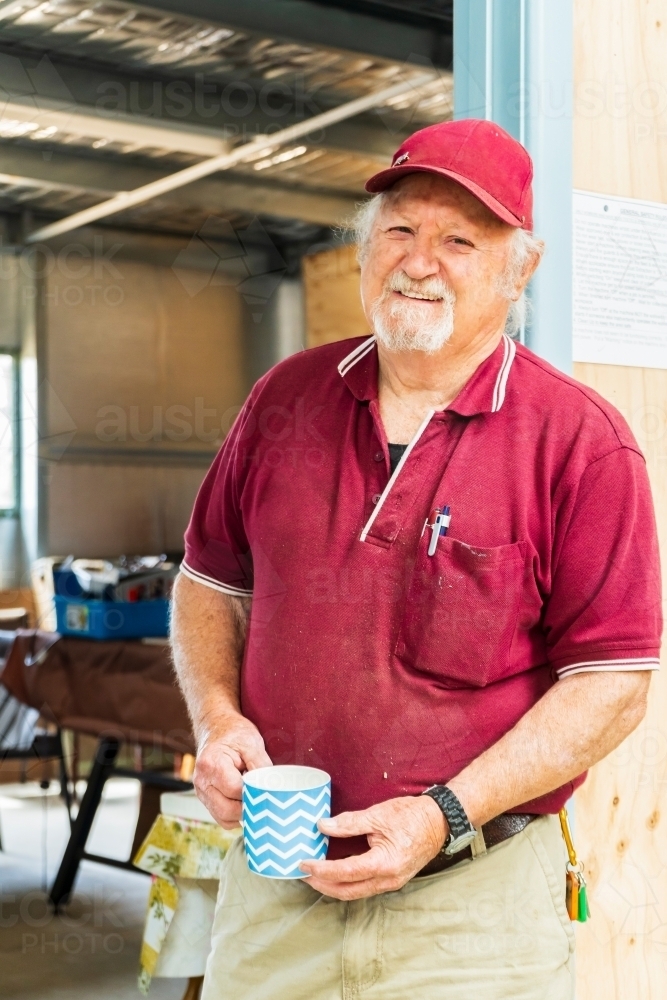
<point>423,297</point>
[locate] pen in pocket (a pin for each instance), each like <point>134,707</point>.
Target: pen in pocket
<point>438,522</point>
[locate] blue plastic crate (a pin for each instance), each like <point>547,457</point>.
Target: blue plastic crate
<point>112,619</point>
<point>65,583</point>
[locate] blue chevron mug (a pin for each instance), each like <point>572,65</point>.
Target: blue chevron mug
<point>281,808</point>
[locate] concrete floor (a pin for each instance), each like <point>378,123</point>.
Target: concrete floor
<point>92,949</point>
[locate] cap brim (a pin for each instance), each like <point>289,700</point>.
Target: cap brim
<point>386,178</point>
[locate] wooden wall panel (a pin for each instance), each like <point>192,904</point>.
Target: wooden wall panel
<point>620,92</point>
<point>620,147</point>
<point>140,340</point>
<point>333,305</point>
<point>621,810</point>
<point>144,382</point>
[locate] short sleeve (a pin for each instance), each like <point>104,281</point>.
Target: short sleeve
<point>217,552</point>
<point>605,608</point>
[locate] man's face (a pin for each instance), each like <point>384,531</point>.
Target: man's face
<point>434,267</point>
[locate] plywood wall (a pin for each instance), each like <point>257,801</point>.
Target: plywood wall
<point>136,338</point>
<point>143,381</point>
<point>620,148</point>
<point>331,288</point>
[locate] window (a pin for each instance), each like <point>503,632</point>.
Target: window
<point>8,435</point>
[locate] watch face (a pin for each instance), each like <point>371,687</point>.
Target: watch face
<point>457,844</point>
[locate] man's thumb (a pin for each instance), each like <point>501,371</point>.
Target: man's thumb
<point>255,757</point>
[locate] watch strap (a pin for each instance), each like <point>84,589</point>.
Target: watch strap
<point>456,816</point>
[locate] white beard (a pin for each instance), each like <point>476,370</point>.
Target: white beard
<point>404,324</point>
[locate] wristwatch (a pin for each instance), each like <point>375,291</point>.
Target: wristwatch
<point>461,830</point>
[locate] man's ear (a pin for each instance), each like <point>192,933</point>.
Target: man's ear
<point>530,265</point>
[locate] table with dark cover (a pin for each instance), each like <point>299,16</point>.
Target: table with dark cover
<point>122,691</point>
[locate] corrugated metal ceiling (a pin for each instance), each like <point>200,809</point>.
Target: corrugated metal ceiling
<point>124,36</point>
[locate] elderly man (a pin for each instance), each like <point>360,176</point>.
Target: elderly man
<point>324,616</point>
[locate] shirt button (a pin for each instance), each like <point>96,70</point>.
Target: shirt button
<point>378,456</point>
<point>376,497</point>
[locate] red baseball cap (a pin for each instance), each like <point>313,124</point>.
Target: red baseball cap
<point>480,155</point>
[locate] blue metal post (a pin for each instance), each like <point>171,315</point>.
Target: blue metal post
<point>549,31</point>
<point>513,65</point>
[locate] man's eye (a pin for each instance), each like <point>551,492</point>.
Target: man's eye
<point>400,229</point>
<point>461,242</point>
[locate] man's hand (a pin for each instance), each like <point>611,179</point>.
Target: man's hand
<point>225,753</point>
<point>403,834</point>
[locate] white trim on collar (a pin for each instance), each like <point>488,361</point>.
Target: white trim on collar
<point>360,351</point>
<point>404,457</point>
<point>503,374</point>
<point>499,389</point>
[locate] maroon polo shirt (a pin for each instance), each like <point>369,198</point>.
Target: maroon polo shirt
<point>389,668</point>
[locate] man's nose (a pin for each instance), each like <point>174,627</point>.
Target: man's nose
<point>420,261</point>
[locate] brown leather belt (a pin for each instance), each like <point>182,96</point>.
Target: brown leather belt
<point>495,832</point>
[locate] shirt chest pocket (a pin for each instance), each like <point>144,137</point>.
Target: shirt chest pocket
<point>461,612</point>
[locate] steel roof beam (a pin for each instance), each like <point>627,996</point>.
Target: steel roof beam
<point>224,195</point>
<point>128,199</point>
<point>98,90</point>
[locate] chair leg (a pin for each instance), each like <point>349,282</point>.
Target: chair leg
<point>193,989</point>
<point>105,758</point>
<point>74,767</point>
<point>149,810</point>
<point>64,778</point>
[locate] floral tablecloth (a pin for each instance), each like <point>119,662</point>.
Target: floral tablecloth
<point>184,856</point>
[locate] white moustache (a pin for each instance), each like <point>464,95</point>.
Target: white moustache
<point>402,327</point>
<point>429,289</point>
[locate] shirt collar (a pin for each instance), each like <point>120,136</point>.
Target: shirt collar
<point>359,370</point>
<point>484,392</point>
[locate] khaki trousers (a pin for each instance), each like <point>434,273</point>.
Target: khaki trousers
<point>488,929</point>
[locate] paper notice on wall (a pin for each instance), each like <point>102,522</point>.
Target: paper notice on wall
<point>620,281</point>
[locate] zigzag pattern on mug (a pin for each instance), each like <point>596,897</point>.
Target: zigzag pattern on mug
<point>254,818</point>
<point>301,831</point>
<point>301,848</point>
<point>312,800</point>
<point>284,872</point>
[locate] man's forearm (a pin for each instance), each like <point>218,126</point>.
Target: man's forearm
<point>579,721</point>
<point>208,636</point>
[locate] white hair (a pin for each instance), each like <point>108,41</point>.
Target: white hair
<point>363,221</point>
<point>523,246</point>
